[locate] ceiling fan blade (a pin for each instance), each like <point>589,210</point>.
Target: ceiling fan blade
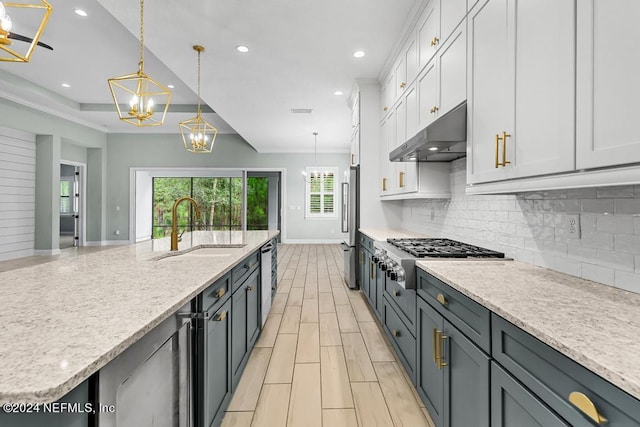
<point>21,38</point>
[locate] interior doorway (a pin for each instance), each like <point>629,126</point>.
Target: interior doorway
<point>70,222</point>
<point>264,201</point>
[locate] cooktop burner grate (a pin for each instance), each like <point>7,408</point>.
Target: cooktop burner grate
<point>442,248</point>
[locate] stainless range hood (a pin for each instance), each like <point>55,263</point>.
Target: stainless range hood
<point>443,140</point>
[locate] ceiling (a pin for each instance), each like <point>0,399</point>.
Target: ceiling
<point>300,54</point>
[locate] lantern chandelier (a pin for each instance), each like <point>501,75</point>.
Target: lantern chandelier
<point>25,15</point>
<point>139,94</point>
<point>314,175</point>
<point>198,136</point>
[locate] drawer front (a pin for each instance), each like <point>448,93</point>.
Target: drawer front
<point>553,377</point>
<point>366,242</point>
<point>241,271</point>
<point>465,314</point>
<point>402,340</point>
<point>216,294</point>
<point>405,299</point>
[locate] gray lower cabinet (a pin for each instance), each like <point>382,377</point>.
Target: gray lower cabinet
<point>214,382</point>
<point>245,323</point>
<point>452,375</point>
<point>512,405</point>
<point>378,291</point>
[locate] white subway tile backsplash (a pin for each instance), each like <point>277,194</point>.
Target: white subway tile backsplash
<point>628,206</point>
<point>531,227</point>
<point>597,273</point>
<point>627,244</point>
<point>598,206</point>
<point>628,281</point>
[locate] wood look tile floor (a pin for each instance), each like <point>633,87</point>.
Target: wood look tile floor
<point>322,359</point>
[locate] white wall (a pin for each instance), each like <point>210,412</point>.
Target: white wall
<point>531,227</point>
<point>143,206</point>
<point>17,193</point>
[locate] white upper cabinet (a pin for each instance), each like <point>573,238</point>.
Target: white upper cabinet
<point>411,59</point>
<point>428,95</point>
<point>429,33</point>
<point>355,130</point>
<point>608,82</point>
<point>388,94</point>
<point>521,112</point>
<point>386,135</point>
<point>452,71</point>
<point>452,12</point>
<point>400,73</point>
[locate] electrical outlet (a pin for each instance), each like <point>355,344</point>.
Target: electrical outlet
<point>573,226</point>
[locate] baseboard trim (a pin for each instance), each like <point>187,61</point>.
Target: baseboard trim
<point>312,241</point>
<point>46,252</point>
<point>107,243</point>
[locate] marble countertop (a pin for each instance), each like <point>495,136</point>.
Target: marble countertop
<point>598,326</point>
<point>62,321</point>
<point>389,233</point>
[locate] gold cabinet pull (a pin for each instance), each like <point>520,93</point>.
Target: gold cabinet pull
<point>442,300</point>
<point>361,257</point>
<point>435,41</point>
<point>401,179</point>
<point>396,293</point>
<point>435,346</point>
<point>371,270</point>
<point>441,362</point>
<point>385,108</point>
<point>403,85</point>
<point>250,288</point>
<point>384,184</point>
<point>434,109</point>
<point>502,138</point>
<point>220,292</point>
<point>221,316</point>
<point>584,404</point>
<point>395,333</point>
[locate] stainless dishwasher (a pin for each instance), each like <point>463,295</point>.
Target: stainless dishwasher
<point>265,279</point>
<point>149,384</point>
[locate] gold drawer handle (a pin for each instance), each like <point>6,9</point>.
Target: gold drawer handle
<point>435,41</point>
<point>396,293</point>
<point>403,85</point>
<point>435,345</point>
<point>395,333</point>
<point>220,292</point>
<point>442,300</point>
<point>384,184</point>
<point>385,108</point>
<point>584,404</point>
<point>250,288</point>
<point>502,138</point>
<point>361,257</point>
<point>221,316</point>
<point>441,362</point>
<point>401,179</point>
<point>434,110</point>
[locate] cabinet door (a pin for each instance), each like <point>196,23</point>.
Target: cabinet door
<point>512,405</point>
<point>389,93</point>
<point>217,387</point>
<point>364,271</point>
<point>429,379</point>
<point>379,291</point>
<point>238,333</point>
<point>411,59</point>
<point>372,280</point>
<point>608,84</point>
<point>427,95</point>
<point>466,381</point>
<point>410,169</point>
<point>385,182</point>
<point>253,309</point>
<point>355,147</point>
<point>452,64</point>
<point>490,88</point>
<point>400,73</point>
<point>543,137</point>
<point>452,12</point>
<point>429,32</point>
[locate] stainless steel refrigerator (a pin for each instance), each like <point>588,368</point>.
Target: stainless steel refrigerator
<point>350,224</point>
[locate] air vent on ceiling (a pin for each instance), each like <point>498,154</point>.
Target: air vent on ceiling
<point>301,110</point>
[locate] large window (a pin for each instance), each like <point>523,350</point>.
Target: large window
<point>65,195</point>
<point>321,193</point>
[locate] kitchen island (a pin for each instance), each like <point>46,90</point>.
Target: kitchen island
<point>62,321</point>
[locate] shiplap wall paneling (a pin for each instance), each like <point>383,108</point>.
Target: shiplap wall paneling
<point>17,193</point>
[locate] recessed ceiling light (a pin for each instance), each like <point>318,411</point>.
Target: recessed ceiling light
<point>170,86</point>
<point>358,54</point>
<point>433,148</point>
<point>66,85</point>
<point>242,49</point>
<point>337,93</point>
<point>81,12</point>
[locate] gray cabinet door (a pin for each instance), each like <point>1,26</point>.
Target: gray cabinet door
<point>363,260</point>
<point>379,292</point>
<point>466,382</point>
<point>429,378</point>
<point>512,405</point>
<point>253,308</point>
<point>238,333</point>
<point>217,379</point>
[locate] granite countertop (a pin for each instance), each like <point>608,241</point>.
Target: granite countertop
<point>389,233</point>
<point>598,326</point>
<point>62,321</point>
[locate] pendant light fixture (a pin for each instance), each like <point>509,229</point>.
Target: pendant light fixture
<point>198,136</point>
<point>137,96</point>
<point>314,175</point>
<point>26,15</point>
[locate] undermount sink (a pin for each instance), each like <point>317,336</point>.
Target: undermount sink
<point>204,252</point>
